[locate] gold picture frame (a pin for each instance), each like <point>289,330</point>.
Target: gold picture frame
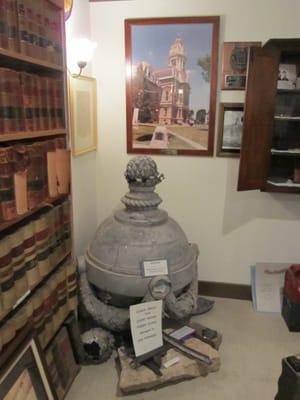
<point>83,117</point>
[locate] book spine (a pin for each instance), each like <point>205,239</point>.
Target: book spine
<point>23,28</point>
<point>18,262</point>
<point>39,315</point>
<point>44,113</point>
<point>3,26</point>
<point>7,193</point>
<point>36,102</point>
<point>36,175</point>
<point>9,109</point>
<point>42,246</point>
<point>72,285</point>
<point>11,21</point>
<point>40,30</point>
<point>67,225</point>
<point>50,102</point>
<point>59,104</point>
<point>31,262</point>
<point>28,101</point>
<point>8,294</point>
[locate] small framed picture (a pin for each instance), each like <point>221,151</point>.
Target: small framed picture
<point>83,117</point>
<point>230,129</point>
<point>61,363</point>
<point>287,76</point>
<point>234,64</point>
<point>25,377</point>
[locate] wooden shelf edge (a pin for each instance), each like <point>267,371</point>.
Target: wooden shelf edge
<point>13,55</point>
<point>31,135</point>
<point>19,303</point>
<point>281,189</point>
<point>47,203</point>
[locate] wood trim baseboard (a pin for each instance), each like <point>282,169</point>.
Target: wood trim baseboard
<point>227,290</point>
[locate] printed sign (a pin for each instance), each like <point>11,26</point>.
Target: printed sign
<point>146,326</point>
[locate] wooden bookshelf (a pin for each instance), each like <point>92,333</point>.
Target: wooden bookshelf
<point>31,135</point>
<point>13,59</point>
<point>47,203</point>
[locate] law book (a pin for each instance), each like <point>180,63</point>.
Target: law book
<point>36,175</point>
<point>40,29</point>
<point>50,91</point>
<point>59,103</point>
<point>48,33</point>
<point>3,26</point>
<point>41,228</point>
<point>43,102</point>
<point>21,165</point>
<point>72,285</point>
<point>31,261</point>
<point>36,102</point>
<point>9,102</point>
<point>18,262</point>
<point>11,25</point>
<point>23,27</point>
<point>7,193</point>
<point>8,294</point>
<point>27,82</point>
<point>51,169</point>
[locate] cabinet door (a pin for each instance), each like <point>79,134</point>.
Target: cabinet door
<point>258,118</point>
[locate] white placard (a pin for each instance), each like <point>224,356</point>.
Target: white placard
<point>155,268</point>
<point>146,326</point>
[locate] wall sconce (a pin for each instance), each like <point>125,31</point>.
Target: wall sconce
<point>82,51</point>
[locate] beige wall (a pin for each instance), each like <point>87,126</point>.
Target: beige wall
<point>84,166</point>
<point>233,230</point>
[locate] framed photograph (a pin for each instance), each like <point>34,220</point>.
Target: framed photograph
<point>25,377</point>
<point>83,117</point>
<point>230,129</point>
<point>171,75</point>
<point>234,64</point>
<point>61,363</point>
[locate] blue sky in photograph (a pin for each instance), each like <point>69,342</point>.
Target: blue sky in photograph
<point>152,43</point>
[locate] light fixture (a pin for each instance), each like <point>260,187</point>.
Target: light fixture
<point>82,51</point>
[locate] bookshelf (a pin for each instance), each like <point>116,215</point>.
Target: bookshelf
<point>37,273</point>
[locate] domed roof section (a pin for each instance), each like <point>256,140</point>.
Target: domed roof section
<point>177,48</point>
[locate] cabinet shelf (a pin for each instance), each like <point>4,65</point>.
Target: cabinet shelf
<point>31,135</point>
<point>17,60</point>
<point>283,187</point>
<point>286,153</point>
<point>286,118</point>
<point>47,203</point>
<point>288,91</point>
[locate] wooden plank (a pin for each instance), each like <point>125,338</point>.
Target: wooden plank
<point>258,118</point>
<point>14,59</point>
<point>31,135</point>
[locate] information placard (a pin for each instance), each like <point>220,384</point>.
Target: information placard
<point>146,326</point>
<point>155,267</point>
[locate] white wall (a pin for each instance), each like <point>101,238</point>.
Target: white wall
<point>233,230</point>
<point>84,166</point>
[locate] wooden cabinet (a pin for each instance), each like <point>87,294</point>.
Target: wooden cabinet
<point>270,152</point>
<point>37,274</point>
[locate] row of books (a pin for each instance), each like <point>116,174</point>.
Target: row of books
<point>32,27</point>
<point>30,174</point>
<point>47,308</point>
<point>29,102</point>
<point>30,252</point>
